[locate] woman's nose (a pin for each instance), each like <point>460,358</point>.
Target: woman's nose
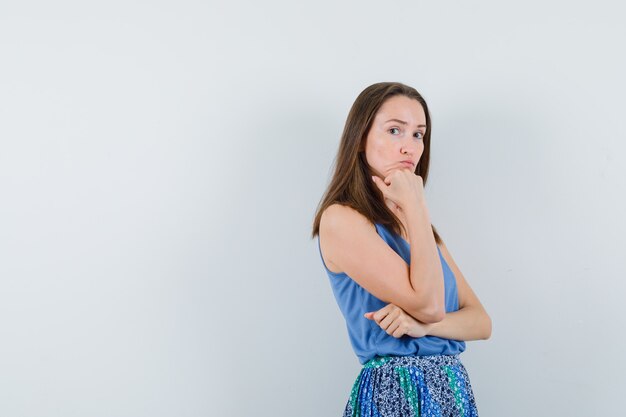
<point>410,147</point>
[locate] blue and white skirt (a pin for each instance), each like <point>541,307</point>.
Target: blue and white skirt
<point>412,386</point>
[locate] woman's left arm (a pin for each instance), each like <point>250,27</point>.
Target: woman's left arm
<point>468,323</point>
<point>471,321</point>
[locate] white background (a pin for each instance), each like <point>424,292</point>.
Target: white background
<point>160,166</point>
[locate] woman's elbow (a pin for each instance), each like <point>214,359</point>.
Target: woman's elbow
<point>433,315</point>
<point>487,327</point>
<point>433,319</point>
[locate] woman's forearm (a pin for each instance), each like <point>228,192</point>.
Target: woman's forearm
<point>425,273</point>
<point>468,323</point>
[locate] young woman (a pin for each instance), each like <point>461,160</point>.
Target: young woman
<point>407,306</point>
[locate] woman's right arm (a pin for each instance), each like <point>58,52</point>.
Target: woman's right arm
<point>350,241</point>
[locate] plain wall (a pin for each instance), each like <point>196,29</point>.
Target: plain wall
<point>160,166</point>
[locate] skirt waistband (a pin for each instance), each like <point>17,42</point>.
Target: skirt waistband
<point>412,360</point>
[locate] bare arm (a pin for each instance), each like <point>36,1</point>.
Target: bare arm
<point>426,272</point>
<point>470,322</point>
<point>350,242</point>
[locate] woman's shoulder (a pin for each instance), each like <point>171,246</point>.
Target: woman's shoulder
<point>341,224</point>
<point>340,216</point>
<point>343,230</point>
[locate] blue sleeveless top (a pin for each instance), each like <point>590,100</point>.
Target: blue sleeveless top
<point>367,338</point>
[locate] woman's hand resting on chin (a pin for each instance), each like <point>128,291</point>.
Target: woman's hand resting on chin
<point>402,189</point>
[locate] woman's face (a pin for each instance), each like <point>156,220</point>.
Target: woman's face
<point>396,135</point>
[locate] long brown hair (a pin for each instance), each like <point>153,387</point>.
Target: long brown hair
<point>351,184</point>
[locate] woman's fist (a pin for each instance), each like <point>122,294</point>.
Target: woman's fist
<point>402,189</point>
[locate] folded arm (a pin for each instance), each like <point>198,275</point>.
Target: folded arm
<point>468,323</point>
<point>350,243</point>
<point>471,321</point>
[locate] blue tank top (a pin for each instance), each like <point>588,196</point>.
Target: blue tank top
<point>367,338</point>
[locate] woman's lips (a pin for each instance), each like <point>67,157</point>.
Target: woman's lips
<point>407,164</point>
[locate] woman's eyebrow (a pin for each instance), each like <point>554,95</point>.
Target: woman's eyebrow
<point>402,122</point>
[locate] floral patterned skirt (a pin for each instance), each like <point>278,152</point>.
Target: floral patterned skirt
<point>412,386</point>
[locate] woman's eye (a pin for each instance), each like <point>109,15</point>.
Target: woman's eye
<point>392,129</point>
<point>419,135</point>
